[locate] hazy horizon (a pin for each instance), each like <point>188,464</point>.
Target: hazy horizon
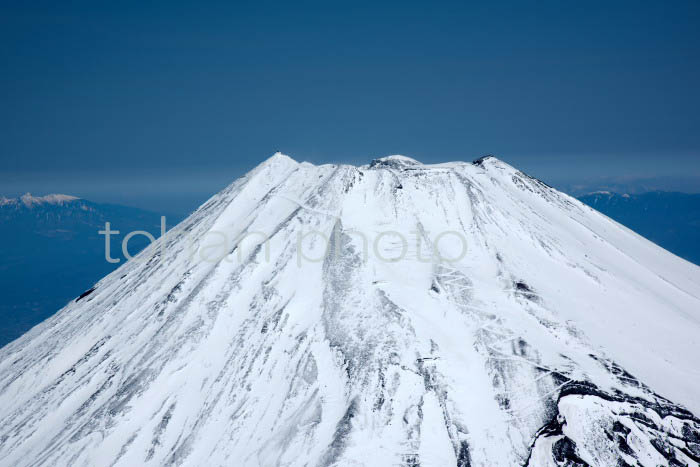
<point>175,193</point>
<point>148,104</point>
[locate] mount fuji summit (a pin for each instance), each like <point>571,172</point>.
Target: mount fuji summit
<point>391,314</point>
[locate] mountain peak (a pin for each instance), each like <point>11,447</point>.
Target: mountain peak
<point>488,159</point>
<point>28,200</point>
<point>395,161</point>
<point>55,198</point>
<point>280,156</point>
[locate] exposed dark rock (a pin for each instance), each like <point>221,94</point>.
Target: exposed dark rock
<point>684,430</point>
<point>564,453</point>
<point>85,294</point>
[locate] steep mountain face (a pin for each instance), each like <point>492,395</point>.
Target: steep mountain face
<point>332,316</point>
<point>669,219</point>
<point>52,250</point>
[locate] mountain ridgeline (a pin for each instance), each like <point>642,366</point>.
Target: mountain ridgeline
<point>332,316</point>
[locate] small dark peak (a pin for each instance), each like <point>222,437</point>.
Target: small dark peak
<point>399,187</point>
<point>85,294</point>
<point>480,161</point>
<point>434,287</point>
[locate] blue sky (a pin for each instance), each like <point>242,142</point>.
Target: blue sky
<point>161,103</point>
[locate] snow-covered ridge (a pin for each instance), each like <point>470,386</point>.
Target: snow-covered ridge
<point>558,338</point>
<point>28,200</point>
<point>397,161</point>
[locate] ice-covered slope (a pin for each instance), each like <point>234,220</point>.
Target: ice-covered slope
<point>558,338</point>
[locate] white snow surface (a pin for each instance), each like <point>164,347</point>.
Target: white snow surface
<point>214,348</point>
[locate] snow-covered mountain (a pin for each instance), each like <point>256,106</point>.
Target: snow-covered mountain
<point>363,333</point>
<point>28,201</point>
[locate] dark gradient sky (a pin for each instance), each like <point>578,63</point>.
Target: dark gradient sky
<point>158,104</point>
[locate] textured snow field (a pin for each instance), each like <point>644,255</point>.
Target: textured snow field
<point>558,337</point>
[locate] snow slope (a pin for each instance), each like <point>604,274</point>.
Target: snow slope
<point>558,337</point>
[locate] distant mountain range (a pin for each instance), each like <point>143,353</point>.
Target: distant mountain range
<point>671,220</point>
<point>51,252</point>
<point>689,183</point>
